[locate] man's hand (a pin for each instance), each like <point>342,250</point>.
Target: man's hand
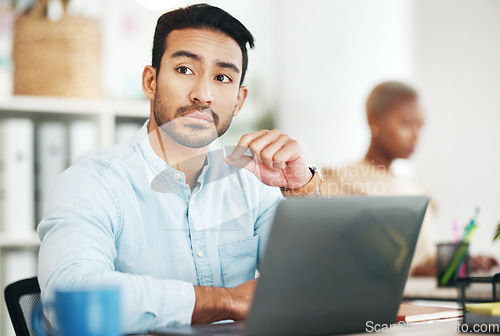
<point>277,159</point>
<point>216,304</point>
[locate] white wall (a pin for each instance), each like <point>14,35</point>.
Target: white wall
<point>458,71</point>
<point>331,54</point>
<point>127,40</point>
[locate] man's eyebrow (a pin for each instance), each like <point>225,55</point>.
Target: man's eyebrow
<point>220,64</point>
<point>228,65</point>
<point>184,53</point>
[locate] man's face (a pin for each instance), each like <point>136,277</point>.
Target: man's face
<point>197,89</point>
<point>400,129</point>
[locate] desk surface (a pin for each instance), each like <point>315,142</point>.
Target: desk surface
<point>442,328</point>
<point>426,288</point>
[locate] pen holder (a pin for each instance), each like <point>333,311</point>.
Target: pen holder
<point>452,262</point>
<point>478,297</point>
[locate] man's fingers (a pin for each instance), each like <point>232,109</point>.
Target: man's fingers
<point>260,143</point>
<point>244,143</point>
<point>267,154</point>
<point>244,161</point>
<point>285,154</point>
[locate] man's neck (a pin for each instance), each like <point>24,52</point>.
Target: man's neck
<point>188,160</point>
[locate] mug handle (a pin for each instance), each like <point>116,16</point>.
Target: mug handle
<point>36,320</point>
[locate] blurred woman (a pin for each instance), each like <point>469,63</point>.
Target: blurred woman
<point>395,118</point>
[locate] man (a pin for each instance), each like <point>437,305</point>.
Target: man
<point>161,216</point>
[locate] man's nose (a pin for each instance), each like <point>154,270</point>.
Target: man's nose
<point>201,92</point>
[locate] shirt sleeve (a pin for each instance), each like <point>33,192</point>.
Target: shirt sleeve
<point>81,222</point>
<point>270,197</point>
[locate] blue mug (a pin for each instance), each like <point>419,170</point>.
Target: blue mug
<point>88,312</point>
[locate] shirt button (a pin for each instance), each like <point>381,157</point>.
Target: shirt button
<point>177,176</point>
<point>191,203</point>
<point>200,253</point>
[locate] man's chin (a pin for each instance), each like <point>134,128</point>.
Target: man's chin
<point>201,127</point>
<point>197,138</point>
<point>192,135</point>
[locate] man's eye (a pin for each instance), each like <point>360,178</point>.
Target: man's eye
<point>184,70</point>
<point>223,78</point>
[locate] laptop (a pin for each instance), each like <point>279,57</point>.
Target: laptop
<point>331,266</point>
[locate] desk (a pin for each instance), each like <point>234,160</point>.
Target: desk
<point>426,288</point>
<point>444,328</point>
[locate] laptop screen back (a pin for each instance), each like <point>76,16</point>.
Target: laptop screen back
<point>334,265</point>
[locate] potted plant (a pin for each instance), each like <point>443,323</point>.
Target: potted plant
<point>497,233</point>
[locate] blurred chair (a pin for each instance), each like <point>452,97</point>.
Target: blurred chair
<point>23,300</point>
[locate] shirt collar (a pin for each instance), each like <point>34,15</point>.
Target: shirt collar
<point>215,167</point>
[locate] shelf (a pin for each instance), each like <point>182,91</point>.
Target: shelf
<point>131,108</point>
<point>74,106</point>
<point>19,240</point>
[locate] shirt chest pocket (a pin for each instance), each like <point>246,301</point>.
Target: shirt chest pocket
<point>239,261</point>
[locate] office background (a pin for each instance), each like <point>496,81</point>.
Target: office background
<point>316,61</point>
<point>313,66</point>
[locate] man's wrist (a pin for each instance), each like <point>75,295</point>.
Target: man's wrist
<point>310,188</point>
<point>212,304</point>
<point>227,303</point>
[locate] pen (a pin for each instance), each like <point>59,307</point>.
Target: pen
<point>458,257</point>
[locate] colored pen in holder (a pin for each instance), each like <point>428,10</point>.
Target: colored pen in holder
<point>451,257</point>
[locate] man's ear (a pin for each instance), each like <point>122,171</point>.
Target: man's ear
<point>149,81</point>
<point>242,95</point>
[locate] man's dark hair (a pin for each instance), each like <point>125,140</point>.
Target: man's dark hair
<point>200,16</point>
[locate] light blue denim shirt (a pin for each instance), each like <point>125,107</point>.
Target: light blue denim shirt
<point>125,217</point>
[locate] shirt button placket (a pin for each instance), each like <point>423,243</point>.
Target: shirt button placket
<point>198,241</point>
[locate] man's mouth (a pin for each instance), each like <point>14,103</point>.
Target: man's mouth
<point>199,117</point>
